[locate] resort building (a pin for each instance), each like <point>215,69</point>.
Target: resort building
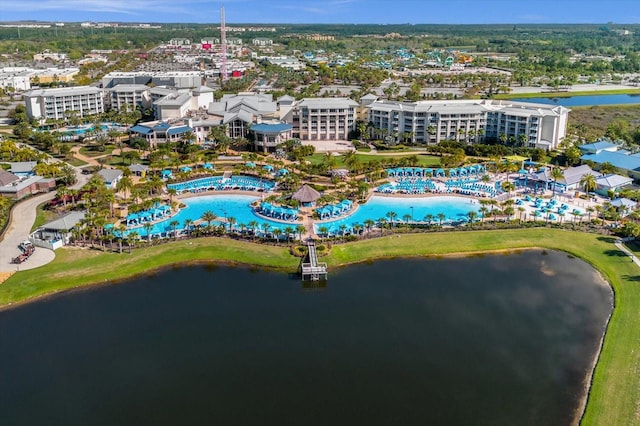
<point>322,119</point>
<point>239,112</point>
<point>612,182</point>
<point>57,103</point>
<point>19,79</point>
<point>601,152</point>
<point>57,233</point>
<point>156,132</point>
<point>111,177</point>
<point>470,121</point>
<point>16,187</point>
<point>54,75</point>
<point>131,96</point>
<point>177,79</point>
<point>268,136</point>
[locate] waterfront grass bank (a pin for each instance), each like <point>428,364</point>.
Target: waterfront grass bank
<point>614,397</point>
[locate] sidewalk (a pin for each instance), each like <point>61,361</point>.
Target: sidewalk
<point>628,252</point>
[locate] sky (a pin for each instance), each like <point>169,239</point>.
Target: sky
<point>327,11</point>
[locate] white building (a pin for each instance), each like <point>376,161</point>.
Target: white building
<point>262,42</point>
<point>55,103</point>
<point>320,119</point>
<point>17,78</point>
<point>470,121</point>
<point>130,95</point>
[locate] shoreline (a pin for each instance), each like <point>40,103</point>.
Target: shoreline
<point>609,396</point>
<point>588,379</point>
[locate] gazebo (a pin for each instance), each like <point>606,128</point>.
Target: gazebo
<point>306,195</point>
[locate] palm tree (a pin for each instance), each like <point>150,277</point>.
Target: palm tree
<point>147,229</point>
<point>428,218</point>
<point>483,211</point>
<point>391,215</point>
<point>253,225</point>
<point>556,173</point>
<point>174,224</point>
<point>208,216</point>
<point>277,232</point>
<point>231,221</point>
<point>323,230</point>
<point>472,215</point>
<point>300,230</point>
<point>441,218</point>
<point>369,224</point>
<point>288,230</point>
<point>588,181</point>
<point>125,185</point>
<point>187,225</point>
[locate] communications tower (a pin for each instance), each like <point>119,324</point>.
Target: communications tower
<point>224,71</point>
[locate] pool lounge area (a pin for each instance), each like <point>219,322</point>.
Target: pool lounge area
<point>220,183</point>
<point>418,210</point>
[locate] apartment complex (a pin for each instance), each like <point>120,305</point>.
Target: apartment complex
<point>318,119</point>
<point>470,121</point>
<point>57,103</point>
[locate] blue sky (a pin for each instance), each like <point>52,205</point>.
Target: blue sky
<point>327,11</point>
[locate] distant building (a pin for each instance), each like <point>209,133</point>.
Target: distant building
<point>262,42</point>
<point>180,42</point>
<point>56,103</point>
<point>17,78</point>
<point>48,55</point>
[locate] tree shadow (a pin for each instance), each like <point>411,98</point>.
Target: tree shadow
<point>608,239</point>
<point>635,278</point>
<point>616,253</point>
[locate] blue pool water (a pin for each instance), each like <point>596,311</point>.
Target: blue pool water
<point>454,208</point>
<point>228,205</point>
<point>587,100</point>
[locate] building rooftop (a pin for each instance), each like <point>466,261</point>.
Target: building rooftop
<point>271,128</point>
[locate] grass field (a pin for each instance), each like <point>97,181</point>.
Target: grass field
<point>614,397</point>
<point>597,118</point>
<point>42,216</point>
<point>424,160</point>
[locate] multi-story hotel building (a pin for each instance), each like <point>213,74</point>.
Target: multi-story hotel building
<point>543,126</point>
<point>322,119</point>
<point>56,103</point>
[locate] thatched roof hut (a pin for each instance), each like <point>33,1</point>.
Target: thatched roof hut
<point>306,194</point>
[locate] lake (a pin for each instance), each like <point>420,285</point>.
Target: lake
<point>496,339</point>
<point>587,100</point>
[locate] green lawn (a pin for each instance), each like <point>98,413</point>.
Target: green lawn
<point>615,394</point>
<point>42,216</point>
<point>74,161</point>
<point>424,160</point>
<point>93,152</point>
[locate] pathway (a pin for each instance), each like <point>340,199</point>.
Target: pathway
<point>621,246</point>
<point>23,216</point>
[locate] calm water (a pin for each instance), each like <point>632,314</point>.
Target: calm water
<point>588,100</point>
<point>454,209</point>
<point>239,207</point>
<point>495,340</point>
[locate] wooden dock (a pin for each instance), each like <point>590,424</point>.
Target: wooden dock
<point>312,270</point>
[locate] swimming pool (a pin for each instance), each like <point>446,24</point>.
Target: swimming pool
<point>219,183</point>
<point>454,208</point>
<point>224,206</point>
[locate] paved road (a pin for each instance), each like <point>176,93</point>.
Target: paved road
<point>22,218</point>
